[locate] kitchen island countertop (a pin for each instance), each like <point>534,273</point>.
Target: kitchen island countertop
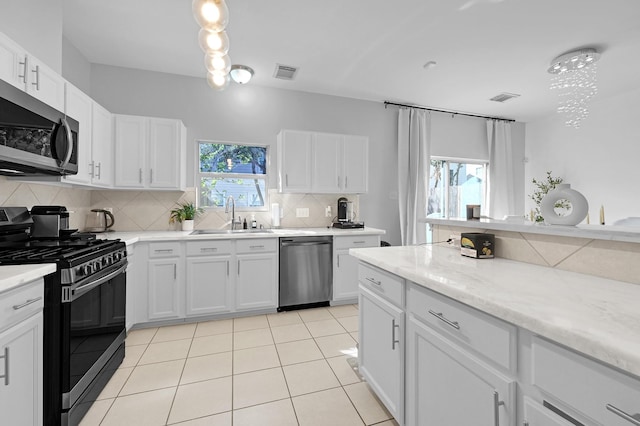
<point>596,316</point>
<point>12,276</point>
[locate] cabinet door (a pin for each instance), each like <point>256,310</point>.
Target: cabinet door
<point>21,373</point>
<point>130,148</point>
<point>13,63</point>
<point>45,84</point>
<point>327,163</point>
<point>102,148</point>
<point>164,154</point>
<point>257,281</point>
<point>164,289</point>
<point>294,168</point>
<point>345,275</point>
<point>78,107</point>
<point>356,164</point>
<point>208,285</point>
<point>381,350</point>
<point>448,387</point>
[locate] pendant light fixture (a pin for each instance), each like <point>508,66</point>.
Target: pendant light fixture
<point>213,17</point>
<point>574,77</point>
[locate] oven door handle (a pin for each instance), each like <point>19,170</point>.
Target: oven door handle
<point>91,285</point>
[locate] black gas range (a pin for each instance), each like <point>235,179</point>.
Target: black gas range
<point>84,312</point>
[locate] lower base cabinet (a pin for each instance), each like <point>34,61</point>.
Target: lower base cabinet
<point>256,283</point>
<point>448,387</point>
<point>208,285</point>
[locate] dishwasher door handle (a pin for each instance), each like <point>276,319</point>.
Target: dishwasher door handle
<point>308,243</point>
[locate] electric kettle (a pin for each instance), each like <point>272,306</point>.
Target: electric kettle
<point>99,220</point>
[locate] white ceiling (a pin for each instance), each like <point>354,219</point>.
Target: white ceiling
<point>375,50</point>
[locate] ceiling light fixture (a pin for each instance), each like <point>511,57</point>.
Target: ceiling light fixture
<point>241,74</point>
<point>574,77</point>
<point>213,17</point>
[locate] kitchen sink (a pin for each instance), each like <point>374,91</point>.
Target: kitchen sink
<point>230,231</point>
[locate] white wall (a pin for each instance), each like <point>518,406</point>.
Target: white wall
<point>75,67</point>
<point>600,159</point>
<point>37,26</point>
<point>255,114</point>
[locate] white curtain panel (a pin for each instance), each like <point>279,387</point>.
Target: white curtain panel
<point>500,188</point>
<point>413,173</point>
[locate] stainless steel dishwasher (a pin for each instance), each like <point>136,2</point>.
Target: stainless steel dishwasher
<point>306,272</point>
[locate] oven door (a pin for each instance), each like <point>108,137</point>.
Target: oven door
<point>93,330</point>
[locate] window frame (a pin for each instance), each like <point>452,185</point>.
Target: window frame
<point>199,175</point>
<point>446,182</point>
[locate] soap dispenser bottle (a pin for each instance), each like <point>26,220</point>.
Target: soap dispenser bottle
<point>254,224</point>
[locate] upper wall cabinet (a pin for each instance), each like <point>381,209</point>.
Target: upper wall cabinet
<point>26,72</point>
<point>322,162</point>
<point>95,142</point>
<point>149,153</point>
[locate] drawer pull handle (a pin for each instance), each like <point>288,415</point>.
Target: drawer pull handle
<point>441,317</point>
<point>359,242</point>
<point>371,280</point>
<point>163,251</point>
<point>496,408</point>
<point>208,249</point>
<point>393,334</point>
<point>634,420</point>
<point>256,247</point>
<point>561,413</point>
<point>27,303</point>
<point>6,366</point>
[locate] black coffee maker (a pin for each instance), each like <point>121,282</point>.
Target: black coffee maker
<point>345,210</point>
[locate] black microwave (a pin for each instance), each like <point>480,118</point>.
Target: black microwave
<point>35,138</point>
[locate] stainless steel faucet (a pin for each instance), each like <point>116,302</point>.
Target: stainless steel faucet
<point>232,202</point>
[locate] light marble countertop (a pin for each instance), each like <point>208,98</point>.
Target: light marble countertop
<point>596,316</point>
<point>628,234</point>
<point>133,237</point>
<point>12,276</point>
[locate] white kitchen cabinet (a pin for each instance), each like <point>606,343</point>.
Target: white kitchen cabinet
<point>345,266</point>
<point>78,106</point>
<point>448,387</point>
<point>294,161</point>
<point>165,281</point>
<point>209,283</point>
<point>381,336</point>
<point>257,274</point>
<point>312,162</point>
<point>21,353</point>
<point>149,153</point>
<point>26,72</point>
<point>102,146</point>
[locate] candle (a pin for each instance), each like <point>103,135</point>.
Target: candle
<point>588,221</point>
<point>602,215</point>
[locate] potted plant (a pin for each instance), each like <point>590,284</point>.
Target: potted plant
<point>542,188</point>
<point>185,214</point>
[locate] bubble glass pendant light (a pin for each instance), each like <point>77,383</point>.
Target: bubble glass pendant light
<point>212,15</point>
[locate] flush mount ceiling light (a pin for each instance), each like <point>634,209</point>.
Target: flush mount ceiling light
<point>241,74</point>
<point>574,77</point>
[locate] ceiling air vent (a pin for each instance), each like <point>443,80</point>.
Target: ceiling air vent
<point>503,97</point>
<point>285,72</point>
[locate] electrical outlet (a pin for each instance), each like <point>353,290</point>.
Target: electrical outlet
<point>455,239</point>
<point>327,211</point>
<point>302,212</point>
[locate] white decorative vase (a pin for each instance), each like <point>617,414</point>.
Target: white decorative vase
<point>563,191</point>
<point>187,225</point>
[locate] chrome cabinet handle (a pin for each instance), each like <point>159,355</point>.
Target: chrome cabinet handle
<point>36,71</point>
<point>163,251</point>
<point>208,249</point>
<point>238,267</point>
<point>140,176</point>
<point>27,303</point>
<point>151,176</point>
<point>286,180</point>
<point>346,181</point>
<point>338,261</point>
<point>496,408</point>
<point>5,376</point>
<point>359,242</point>
<point>99,167</point>
<point>393,334</point>
<point>227,268</point>
<point>256,247</point>
<point>371,280</point>
<point>441,317</point>
<point>634,420</point>
<point>175,271</point>
<point>24,70</point>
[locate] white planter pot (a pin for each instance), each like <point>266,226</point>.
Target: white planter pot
<point>579,206</point>
<point>187,225</point>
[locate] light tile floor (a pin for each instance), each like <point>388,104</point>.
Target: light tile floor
<point>281,369</point>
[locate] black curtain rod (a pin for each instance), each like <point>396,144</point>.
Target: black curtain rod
<point>447,112</point>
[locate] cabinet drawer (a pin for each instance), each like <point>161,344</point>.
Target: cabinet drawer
<point>211,247</point>
<point>489,336</point>
<point>593,389</point>
<point>387,285</point>
<point>256,245</point>
<point>164,249</point>
<point>355,241</point>
<point>20,303</point>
